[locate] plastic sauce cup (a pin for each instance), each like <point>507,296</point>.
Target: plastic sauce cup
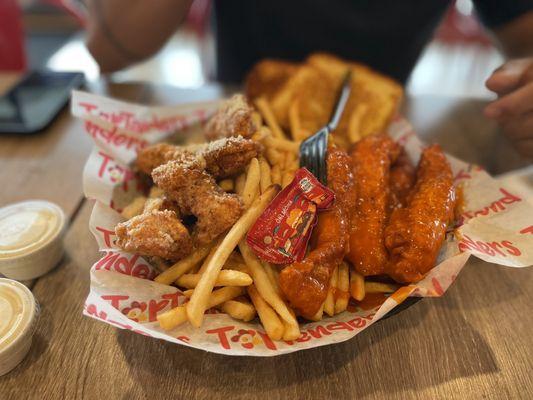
<point>31,238</point>
<point>18,316</point>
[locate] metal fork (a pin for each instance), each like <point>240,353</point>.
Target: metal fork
<point>313,149</point>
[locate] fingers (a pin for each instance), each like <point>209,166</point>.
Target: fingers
<point>516,103</point>
<point>510,75</point>
<point>519,128</point>
<point>520,133</point>
<point>524,147</point>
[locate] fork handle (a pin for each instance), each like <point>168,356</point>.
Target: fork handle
<point>342,99</point>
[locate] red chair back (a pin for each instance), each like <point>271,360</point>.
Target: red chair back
<point>12,53</point>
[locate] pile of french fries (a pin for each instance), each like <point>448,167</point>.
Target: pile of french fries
<point>226,274</point>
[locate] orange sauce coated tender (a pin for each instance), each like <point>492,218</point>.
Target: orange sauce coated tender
<point>305,284</point>
<point>371,158</point>
<point>415,233</point>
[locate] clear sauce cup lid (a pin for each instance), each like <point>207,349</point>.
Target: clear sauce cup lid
<point>17,310</point>
<point>28,226</point>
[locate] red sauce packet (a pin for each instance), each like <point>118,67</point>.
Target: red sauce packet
<point>281,233</point>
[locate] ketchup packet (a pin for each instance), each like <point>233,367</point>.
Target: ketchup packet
<point>281,233</point>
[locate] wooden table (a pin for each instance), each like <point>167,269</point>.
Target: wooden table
<point>475,342</point>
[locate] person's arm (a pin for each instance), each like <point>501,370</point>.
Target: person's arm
<point>123,32</point>
<point>513,81</point>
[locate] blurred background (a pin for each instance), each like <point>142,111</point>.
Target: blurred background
<point>50,34</point>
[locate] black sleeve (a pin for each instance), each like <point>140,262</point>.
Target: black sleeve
<point>494,13</point>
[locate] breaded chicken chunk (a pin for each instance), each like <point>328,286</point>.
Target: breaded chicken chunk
<point>197,193</point>
<point>233,118</point>
<point>156,233</point>
<point>220,158</point>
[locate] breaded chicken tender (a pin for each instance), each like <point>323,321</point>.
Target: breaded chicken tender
<point>156,233</point>
<point>233,118</point>
<point>221,158</point>
<point>197,193</point>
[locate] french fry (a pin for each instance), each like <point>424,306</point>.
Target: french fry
<point>226,185</point>
<point>183,266</point>
<point>343,287</point>
<point>329,304</point>
<point>136,207</point>
<point>357,285</point>
<point>178,315</point>
<point>172,318</point>
<point>378,287</point>
<point>293,162</point>
<point>226,277</point>
<point>251,186</point>
<point>294,120</point>
<point>257,119</point>
<point>272,276</point>
<point>218,296</point>
<point>266,178</point>
<point>261,134</point>
<point>199,300</point>
<point>152,203</point>
<point>239,309</point>
<point>319,313</point>
<point>274,157</point>
<point>210,256</point>
<point>239,183</point>
<point>291,331</point>
<point>269,319</point>
<point>281,144</point>
<point>155,192</point>
<point>257,191</point>
<point>265,110</point>
<point>265,288</point>
<point>276,174</point>
<point>236,263</point>
<point>287,178</point>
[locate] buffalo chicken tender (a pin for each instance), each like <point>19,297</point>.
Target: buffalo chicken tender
<point>156,233</point>
<point>372,158</point>
<point>416,232</point>
<point>197,193</point>
<point>221,158</point>
<point>305,284</point>
<point>233,118</point>
<point>402,179</point>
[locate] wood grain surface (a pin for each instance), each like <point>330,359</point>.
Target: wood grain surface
<point>474,342</point>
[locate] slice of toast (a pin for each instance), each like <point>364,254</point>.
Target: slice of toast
<point>374,100</point>
<point>267,77</point>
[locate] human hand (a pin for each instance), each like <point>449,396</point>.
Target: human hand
<point>513,110</point>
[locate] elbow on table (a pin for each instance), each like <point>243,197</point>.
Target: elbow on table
<point>110,59</point>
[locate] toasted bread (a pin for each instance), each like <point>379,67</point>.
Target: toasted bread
<point>302,96</point>
<point>267,77</point>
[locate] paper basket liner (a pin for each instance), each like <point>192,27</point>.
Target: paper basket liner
<point>496,225</point>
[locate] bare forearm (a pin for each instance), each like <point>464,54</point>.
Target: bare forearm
<point>122,32</point>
